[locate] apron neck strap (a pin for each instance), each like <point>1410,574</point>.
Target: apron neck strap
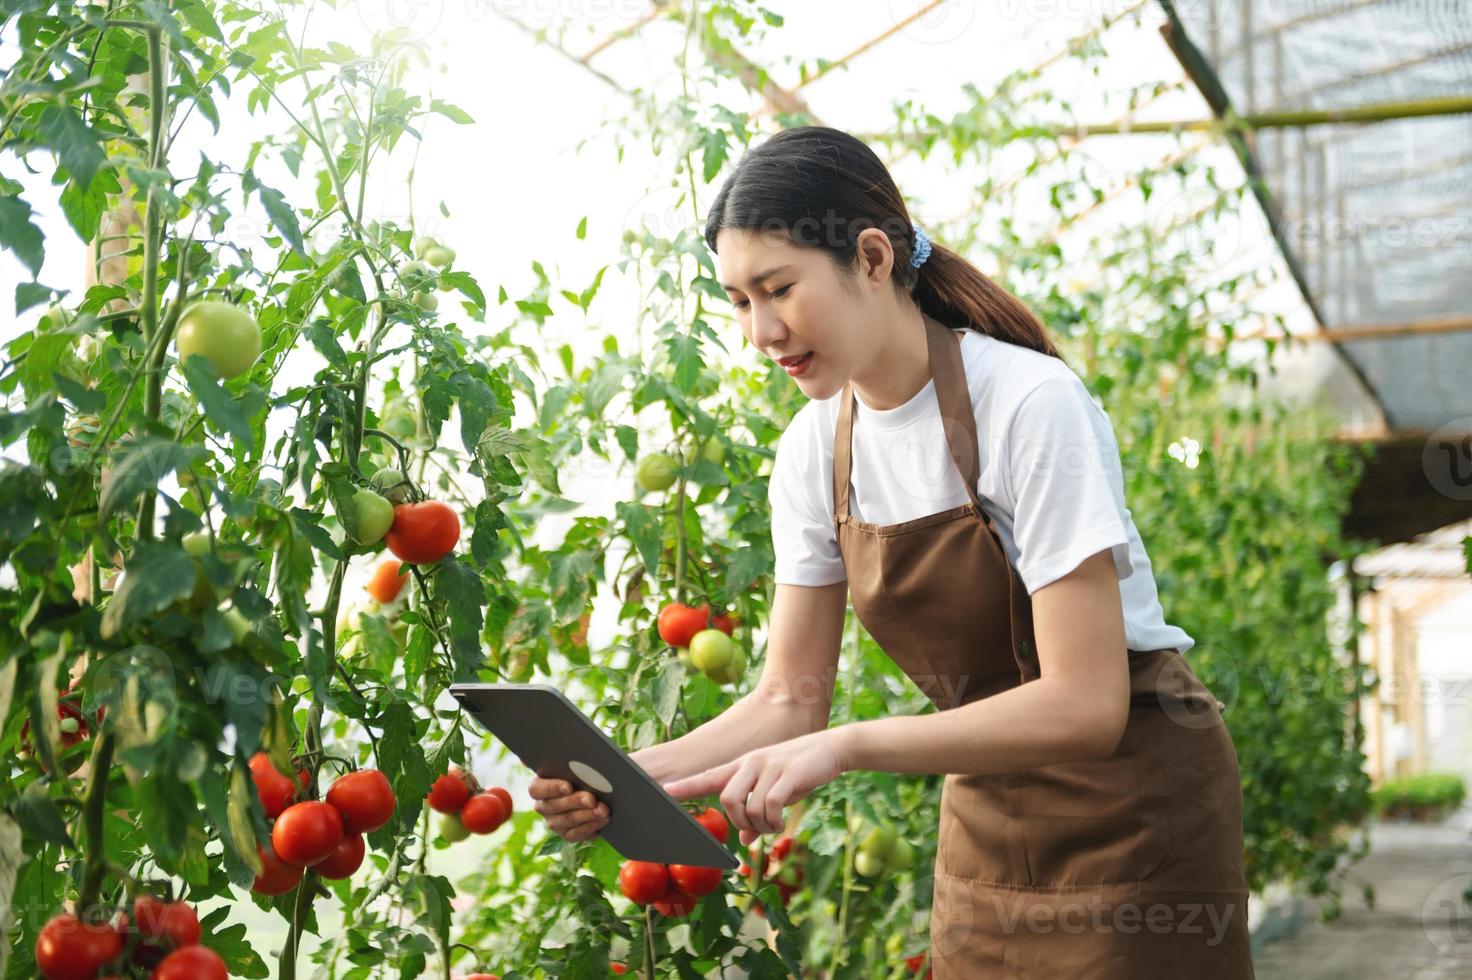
<point>957,417</point>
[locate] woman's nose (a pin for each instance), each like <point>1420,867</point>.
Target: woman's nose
<point>766,330</point>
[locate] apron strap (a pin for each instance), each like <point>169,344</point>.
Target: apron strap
<point>957,420</point>
<point>957,416</point>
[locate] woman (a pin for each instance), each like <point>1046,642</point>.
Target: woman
<point>953,478</point>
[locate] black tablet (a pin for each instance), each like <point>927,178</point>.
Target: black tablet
<point>555,740</point>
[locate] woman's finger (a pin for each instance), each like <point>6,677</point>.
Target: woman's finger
<point>733,797</point>
<point>562,804</point>
<point>546,789</point>
<point>764,803</point>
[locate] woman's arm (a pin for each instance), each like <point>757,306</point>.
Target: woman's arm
<point>793,697</point>
<point>1077,709</point>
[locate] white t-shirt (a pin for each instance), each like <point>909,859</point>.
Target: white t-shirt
<point>1051,479</point>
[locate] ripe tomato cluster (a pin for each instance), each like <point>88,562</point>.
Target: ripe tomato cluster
<point>777,863</point>
<point>165,941</point>
<point>678,623</point>
<point>673,889</point>
<point>465,808</point>
<point>703,641</point>
<point>324,836</point>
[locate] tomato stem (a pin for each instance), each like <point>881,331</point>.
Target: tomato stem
<point>93,808</point>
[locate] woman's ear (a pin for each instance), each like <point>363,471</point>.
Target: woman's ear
<point>875,256</point>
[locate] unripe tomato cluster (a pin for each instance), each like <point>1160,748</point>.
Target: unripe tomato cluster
<point>324,836</point>
<point>673,889</point>
<point>778,863</point>
<point>882,850</point>
<point>702,641</point>
<point>165,941</point>
<point>465,808</point>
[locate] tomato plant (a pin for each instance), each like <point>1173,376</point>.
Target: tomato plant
<point>179,531</point>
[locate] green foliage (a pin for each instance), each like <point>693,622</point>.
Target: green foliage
<point>1425,792</point>
<point>127,451</point>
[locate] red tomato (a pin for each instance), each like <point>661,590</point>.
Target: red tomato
<point>423,533</point>
<point>449,792</point>
<point>171,921</point>
<point>643,882</point>
<point>678,622</point>
<point>306,833</point>
<point>714,821</point>
<point>483,813</point>
<point>276,877</point>
<point>275,788</point>
<point>675,904</point>
<point>192,963</point>
<point>726,624</point>
<point>500,793</point>
<point>343,861</point>
<point>386,583</point>
<point>365,800</point>
<point>70,949</point>
<point>913,962</point>
<point>618,968</point>
<point>694,880</point>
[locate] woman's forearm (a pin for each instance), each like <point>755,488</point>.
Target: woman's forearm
<point>748,724</point>
<point>1035,724</point>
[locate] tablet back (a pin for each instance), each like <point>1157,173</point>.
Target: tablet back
<point>555,740</point>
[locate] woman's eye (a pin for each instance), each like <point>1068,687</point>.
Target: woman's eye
<point>739,304</point>
<point>781,292</point>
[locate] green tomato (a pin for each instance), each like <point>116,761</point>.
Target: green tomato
<point>374,516</point>
<point>900,857</point>
<point>415,274</point>
<point>879,842</point>
<point>196,543</point>
<point>439,256</point>
<point>657,472</point>
<point>392,484</point>
<point>399,418</point>
<point>716,656</point>
<point>712,450</point>
<point>222,333</point>
<point>425,299</point>
<point>238,625</point>
<point>451,829</point>
<point>868,865</point>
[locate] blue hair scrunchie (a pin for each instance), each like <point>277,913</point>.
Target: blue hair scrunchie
<point>922,248</point>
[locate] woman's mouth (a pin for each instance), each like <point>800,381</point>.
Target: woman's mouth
<point>795,366</point>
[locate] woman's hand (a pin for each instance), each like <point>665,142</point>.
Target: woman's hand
<point>755,787</point>
<point>573,815</point>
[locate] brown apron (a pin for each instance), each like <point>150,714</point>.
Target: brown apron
<point>1125,868</point>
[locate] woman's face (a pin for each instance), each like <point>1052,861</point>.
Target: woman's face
<point>801,310</point>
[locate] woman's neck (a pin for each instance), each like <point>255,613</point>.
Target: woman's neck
<point>901,366</point>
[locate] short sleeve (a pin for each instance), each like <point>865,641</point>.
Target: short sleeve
<point>800,495</point>
<point>1067,483</point>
